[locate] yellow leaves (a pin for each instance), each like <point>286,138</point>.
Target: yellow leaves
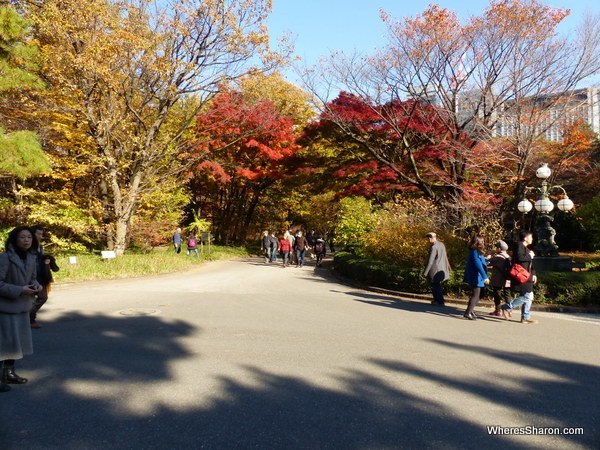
<point>289,99</point>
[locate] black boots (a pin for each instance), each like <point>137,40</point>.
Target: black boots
<point>10,377</point>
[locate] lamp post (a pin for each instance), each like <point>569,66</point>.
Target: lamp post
<point>545,233</point>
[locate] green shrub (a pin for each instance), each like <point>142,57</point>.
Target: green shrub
<point>569,288</point>
<point>590,220</point>
<point>355,220</point>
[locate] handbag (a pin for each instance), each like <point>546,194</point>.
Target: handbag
<point>518,273</point>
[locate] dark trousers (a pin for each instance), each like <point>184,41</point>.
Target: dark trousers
<point>500,293</point>
<point>300,257</point>
<point>39,301</point>
<point>438,292</point>
<point>473,300</point>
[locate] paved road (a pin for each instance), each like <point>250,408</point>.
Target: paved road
<point>247,355</point>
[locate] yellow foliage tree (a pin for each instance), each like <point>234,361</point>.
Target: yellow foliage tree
<point>119,73</point>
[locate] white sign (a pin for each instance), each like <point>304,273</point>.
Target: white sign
<point>108,254</point>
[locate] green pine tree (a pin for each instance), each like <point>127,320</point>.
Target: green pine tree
<point>21,154</point>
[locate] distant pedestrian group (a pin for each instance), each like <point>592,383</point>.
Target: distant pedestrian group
<point>191,243</point>
<point>293,248</point>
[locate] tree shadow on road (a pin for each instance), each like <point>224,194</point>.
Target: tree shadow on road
<point>563,395</point>
<point>256,409</point>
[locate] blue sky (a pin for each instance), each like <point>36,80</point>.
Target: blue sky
<point>323,26</point>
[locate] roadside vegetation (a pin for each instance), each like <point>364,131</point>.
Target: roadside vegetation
<point>93,267</point>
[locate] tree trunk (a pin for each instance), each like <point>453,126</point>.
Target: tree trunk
<point>106,216</point>
<point>121,232</point>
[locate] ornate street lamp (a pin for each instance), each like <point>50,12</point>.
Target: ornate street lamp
<point>545,233</point>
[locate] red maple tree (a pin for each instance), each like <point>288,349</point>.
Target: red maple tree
<point>242,149</point>
<point>403,146</point>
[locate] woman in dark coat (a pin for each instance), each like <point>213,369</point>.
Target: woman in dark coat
<point>523,256</point>
<point>18,288</point>
<point>475,274</point>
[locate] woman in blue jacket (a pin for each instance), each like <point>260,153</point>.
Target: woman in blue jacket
<point>475,274</point>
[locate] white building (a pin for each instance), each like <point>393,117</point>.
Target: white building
<point>550,115</point>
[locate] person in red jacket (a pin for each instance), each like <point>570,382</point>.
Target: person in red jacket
<point>285,247</point>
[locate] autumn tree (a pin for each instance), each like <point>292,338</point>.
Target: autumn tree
<point>130,76</point>
<point>244,145</point>
<point>510,63</point>
<point>570,158</point>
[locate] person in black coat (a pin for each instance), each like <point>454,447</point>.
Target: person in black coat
<point>265,245</point>
<point>523,256</point>
<point>46,265</point>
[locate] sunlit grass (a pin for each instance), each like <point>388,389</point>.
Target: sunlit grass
<point>93,267</point>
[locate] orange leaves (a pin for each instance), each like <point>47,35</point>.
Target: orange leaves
<point>436,27</point>
<point>530,17</point>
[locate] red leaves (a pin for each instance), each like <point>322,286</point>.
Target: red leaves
<point>215,171</point>
<point>248,139</point>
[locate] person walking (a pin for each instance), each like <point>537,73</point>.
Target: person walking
<point>46,264</point>
<point>274,244</point>
<point>320,250</point>
<point>292,240</point>
<point>177,240</point>
<point>192,245</point>
<point>285,247</point>
<point>300,245</point>
<point>523,256</point>
<point>437,268</point>
<point>265,246</point>
<point>18,288</point>
<point>475,274</point>
<point>500,264</point>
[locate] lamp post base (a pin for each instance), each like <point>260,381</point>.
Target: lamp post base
<point>545,245</point>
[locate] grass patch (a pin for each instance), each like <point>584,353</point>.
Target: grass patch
<point>92,267</point>
<point>591,260</point>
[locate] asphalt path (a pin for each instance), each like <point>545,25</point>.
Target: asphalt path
<point>242,354</point>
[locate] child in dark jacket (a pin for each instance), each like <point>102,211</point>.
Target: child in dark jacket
<point>320,250</point>
<point>500,264</point>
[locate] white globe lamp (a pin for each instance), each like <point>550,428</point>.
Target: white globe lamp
<point>543,172</point>
<point>565,204</point>
<point>544,205</point>
<point>524,206</point>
